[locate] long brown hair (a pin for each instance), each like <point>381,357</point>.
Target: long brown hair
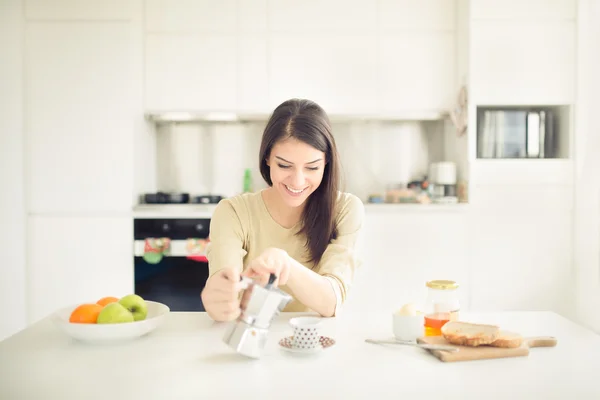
<point>306,121</point>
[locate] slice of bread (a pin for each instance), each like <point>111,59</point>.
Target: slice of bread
<point>468,334</point>
<point>509,340</point>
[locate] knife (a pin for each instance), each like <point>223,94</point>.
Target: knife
<point>441,347</point>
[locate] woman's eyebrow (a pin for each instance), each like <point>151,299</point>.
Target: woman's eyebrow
<point>312,162</point>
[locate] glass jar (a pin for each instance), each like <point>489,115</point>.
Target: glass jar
<point>442,305</point>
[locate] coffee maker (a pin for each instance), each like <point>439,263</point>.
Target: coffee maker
<point>442,176</point>
<point>247,335</point>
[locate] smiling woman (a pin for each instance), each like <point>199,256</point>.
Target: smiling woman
<point>301,228</point>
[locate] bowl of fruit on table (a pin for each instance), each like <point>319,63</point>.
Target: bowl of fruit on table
<point>111,319</point>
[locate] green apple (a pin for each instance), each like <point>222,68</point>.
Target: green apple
<point>136,305</point>
<point>114,313</point>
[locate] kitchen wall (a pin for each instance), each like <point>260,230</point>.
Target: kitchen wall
<point>211,157</point>
<point>79,79</point>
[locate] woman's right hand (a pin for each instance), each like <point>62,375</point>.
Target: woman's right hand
<point>221,295</point>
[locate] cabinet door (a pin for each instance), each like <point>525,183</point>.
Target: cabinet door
<point>12,203</point>
<point>74,260</point>
<point>523,62</point>
<point>336,71</point>
<point>520,10</point>
<point>417,71</point>
<point>191,72</point>
<point>253,88</point>
<point>80,108</point>
<point>521,260</point>
<point>587,177</point>
<point>79,9</point>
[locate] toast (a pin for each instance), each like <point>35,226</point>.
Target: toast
<point>468,334</point>
<point>508,340</point>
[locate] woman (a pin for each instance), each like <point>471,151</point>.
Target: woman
<point>301,228</point>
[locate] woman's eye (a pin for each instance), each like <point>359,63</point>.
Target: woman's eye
<point>283,166</point>
<point>313,168</point>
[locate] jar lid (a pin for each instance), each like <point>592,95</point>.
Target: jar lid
<point>442,285</point>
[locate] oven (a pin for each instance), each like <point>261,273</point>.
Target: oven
<point>170,262</point>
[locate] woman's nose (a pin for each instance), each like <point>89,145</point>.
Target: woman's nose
<point>298,180</point>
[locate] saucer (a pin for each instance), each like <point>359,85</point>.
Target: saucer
<point>326,342</point>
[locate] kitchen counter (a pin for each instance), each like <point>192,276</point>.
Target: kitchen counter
<point>206,210</point>
<point>185,358</point>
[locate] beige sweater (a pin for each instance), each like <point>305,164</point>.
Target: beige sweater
<point>241,229</point>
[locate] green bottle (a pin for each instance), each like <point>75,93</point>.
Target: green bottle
<point>247,180</point>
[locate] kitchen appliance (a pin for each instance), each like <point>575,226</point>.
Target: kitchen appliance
<point>180,198</point>
<point>166,198</point>
<point>169,268</point>
<point>207,199</point>
<point>442,177</point>
<point>247,335</point>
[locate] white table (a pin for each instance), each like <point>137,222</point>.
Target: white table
<point>185,358</point>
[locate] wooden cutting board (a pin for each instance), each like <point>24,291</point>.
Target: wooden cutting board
<point>467,353</point>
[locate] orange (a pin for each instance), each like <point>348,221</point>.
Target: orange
<point>107,300</point>
<point>86,314</point>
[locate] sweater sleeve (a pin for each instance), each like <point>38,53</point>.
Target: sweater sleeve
<point>340,259</point>
<point>226,246</point>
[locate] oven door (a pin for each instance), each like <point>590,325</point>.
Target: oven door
<point>175,278</point>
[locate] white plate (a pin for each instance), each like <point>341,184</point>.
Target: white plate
<point>110,333</point>
<point>325,343</point>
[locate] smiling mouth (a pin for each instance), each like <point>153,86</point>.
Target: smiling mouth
<point>295,191</point>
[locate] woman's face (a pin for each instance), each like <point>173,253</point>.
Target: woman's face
<point>296,170</point>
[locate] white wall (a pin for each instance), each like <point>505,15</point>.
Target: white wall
<point>12,194</point>
<point>197,158</point>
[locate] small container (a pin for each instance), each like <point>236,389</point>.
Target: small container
<point>407,327</point>
<point>442,305</point>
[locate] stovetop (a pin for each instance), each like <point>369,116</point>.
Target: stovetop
<point>180,198</point>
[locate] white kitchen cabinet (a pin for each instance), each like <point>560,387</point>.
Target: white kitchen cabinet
<point>326,17</point>
<point>79,9</point>
<point>191,72</point>
<point>586,229</point>
<point>206,16</point>
<point>337,71</point>
<point>253,75</point>
<point>430,15</point>
<point>416,71</point>
<point>523,62</point>
<point>522,171</point>
<point>521,261</point>
<point>191,16</point>
<point>73,260</point>
<point>13,304</point>
<point>80,114</point>
<point>524,10</point>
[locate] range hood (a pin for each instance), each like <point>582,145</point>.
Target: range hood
<point>226,116</point>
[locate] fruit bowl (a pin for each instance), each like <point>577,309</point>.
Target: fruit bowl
<point>110,333</point>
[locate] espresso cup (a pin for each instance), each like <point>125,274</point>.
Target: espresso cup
<point>306,332</point>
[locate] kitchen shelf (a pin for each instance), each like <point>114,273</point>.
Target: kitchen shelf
<point>185,116</point>
<point>174,210</point>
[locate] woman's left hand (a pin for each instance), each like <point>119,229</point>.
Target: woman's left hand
<point>271,261</point>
